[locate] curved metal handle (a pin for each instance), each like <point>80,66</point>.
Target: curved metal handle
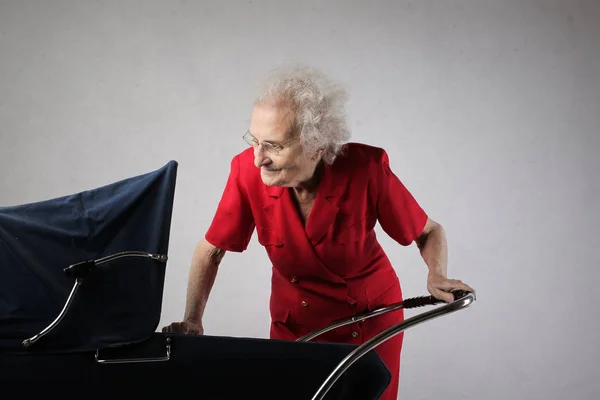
<point>462,300</point>
<point>167,357</point>
<point>412,302</point>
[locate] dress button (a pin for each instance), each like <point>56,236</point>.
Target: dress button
<point>294,279</point>
<point>304,304</point>
<point>354,334</point>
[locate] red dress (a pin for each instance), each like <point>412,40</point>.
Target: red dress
<point>334,267</point>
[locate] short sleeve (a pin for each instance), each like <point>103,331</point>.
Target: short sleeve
<point>233,224</point>
<point>398,213</point>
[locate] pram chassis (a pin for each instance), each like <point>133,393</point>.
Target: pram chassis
<point>462,300</point>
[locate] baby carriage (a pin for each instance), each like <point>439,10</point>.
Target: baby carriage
<point>81,291</point>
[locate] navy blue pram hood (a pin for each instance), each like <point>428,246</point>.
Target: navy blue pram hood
<point>118,302</point>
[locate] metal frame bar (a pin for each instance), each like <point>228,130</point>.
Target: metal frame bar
<point>80,270</point>
<point>127,254</point>
<point>167,357</point>
<point>30,341</point>
<point>462,300</point>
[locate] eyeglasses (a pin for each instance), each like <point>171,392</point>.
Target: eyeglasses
<point>269,147</point>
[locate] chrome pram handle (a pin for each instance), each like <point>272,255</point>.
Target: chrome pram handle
<point>412,302</point>
<point>462,300</point>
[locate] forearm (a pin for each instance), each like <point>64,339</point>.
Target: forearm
<point>203,271</point>
<point>434,250</point>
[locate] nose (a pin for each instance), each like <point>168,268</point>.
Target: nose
<point>259,157</point>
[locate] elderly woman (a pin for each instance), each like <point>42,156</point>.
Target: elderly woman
<point>314,200</point>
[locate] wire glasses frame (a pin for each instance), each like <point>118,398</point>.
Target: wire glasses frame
<point>269,147</point>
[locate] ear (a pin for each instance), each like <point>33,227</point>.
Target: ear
<point>318,154</point>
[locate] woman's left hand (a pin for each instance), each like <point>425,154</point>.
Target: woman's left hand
<point>441,287</point>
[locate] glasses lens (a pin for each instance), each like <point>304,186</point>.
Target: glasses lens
<point>268,147</point>
<point>272,149</point>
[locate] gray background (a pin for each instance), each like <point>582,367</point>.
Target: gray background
<point>490,111</point>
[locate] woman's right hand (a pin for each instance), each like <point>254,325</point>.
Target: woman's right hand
<point>185,327</point>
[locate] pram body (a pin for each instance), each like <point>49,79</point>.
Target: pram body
<point>80,302</point>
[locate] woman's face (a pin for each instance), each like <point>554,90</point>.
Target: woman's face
<point>277,149</point>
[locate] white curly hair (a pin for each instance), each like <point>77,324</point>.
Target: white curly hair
<point>318,105</point>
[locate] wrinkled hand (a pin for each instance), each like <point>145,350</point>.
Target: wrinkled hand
<point>185,327</point>
<point>441,287</point>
